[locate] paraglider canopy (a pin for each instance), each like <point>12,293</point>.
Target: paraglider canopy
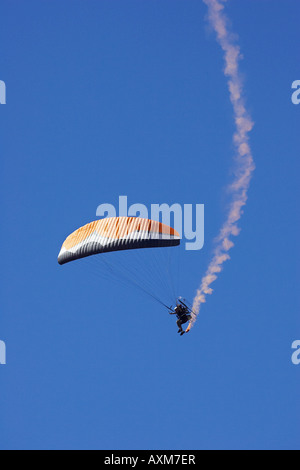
<point>114,234</point>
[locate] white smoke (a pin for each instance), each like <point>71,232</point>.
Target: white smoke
<point>243,158</point>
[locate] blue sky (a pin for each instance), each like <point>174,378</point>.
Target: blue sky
<point>106,98</point>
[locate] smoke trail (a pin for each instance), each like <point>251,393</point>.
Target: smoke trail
<point>244,160</point>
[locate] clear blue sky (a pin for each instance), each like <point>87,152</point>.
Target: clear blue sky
<point>106,98</point>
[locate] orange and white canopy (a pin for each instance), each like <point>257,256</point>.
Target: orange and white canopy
<point>114,234</point>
